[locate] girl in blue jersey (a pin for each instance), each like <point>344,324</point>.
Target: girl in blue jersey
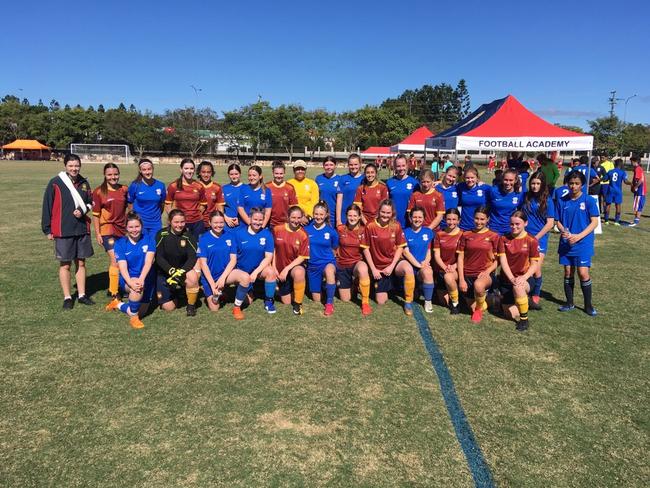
<point>147,197</point>
<point>576,216</point>
<point>418,252</point>
<point>231,197</point>
<point>135,254</point>
<point>539,209</point>
<point>328,186</point>
<point>348,185</point>
<point>472,194</point>
<point>255,254</point>
<point>400,188</point>
<point>503,200</point>
<point>254,195</point>
<point>323,240</point>
<point>217,255</point>
<point>449,190</point>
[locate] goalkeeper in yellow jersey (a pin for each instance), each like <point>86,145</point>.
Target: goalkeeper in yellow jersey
<point>175,263</point>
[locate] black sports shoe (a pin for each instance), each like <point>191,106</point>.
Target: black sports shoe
<point>522,325</point>
<point>191,310</point>
<point>297,309</point>
<point>68,303</point>
<point>454,309</point>
<point>84,300</point>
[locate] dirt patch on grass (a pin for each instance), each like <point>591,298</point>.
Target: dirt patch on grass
<point>279,420</point>
<point>372,392</point>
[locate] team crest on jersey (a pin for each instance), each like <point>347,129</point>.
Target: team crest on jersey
<point>479,193</point>
<point>515,200</point>
<point>326,235</point>
<point>336,184</point>
<point>228,242</point>
<point>262,241</point>
<point>263,196</point>
<point>425,237</point>
<point>454,194</point>
<point>145,248</point>
<point>409,186</point>
<point>158,191</point>
<point>183,242</point>
<point>582,205</point>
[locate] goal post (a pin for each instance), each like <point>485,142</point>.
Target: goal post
<point>102,153</point>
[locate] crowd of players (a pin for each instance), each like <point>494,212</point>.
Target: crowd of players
<point>444,235</point>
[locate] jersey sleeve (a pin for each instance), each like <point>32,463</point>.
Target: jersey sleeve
<point>200,251</point>
<point>130,194</point>
<point>461,243</point>
<point>592,207</point>
<point>365,239</point>
<point>501,246</point>
<point>533,249</point>
<point>411,203</point>
<point>203,198</point>
<point>550,208</point>
<point>436,242</point>
<point>495,242</point>
<point>384,192</point>
<point>171,192</point>
<point>118,249</point>
<point>400,238</point>
<point>293,198</point>
<point>151,242</point>
<point>269,245</point>
<point>268,199</point>
<point>97,202</point>
<point>358,194</point>
<point>304,246</point>
<point>432,236</point>
<point>335,239</point>
<point>439,200</point>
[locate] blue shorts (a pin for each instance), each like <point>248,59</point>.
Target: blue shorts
<point>196,229</point>
<point>315,276</point>
<point>207,289</point>
<point>109,242</point>
<point>639,203</point>
<point>385,284</point>
<point>543,244</point>
<point>152,229</point>
<point>149,287</point>
<point>344,277</point>
<point>164,292</point>
<point>615,198</point>
<point>576,261</point>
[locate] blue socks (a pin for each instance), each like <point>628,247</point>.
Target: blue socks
<point>329,293</point>
<point>130,308</point>
<point>269,289</point>
<point>240,295</point>
<point>427,291</point>
<point>537,286</point>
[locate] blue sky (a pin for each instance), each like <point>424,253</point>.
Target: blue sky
<point>561,59</point>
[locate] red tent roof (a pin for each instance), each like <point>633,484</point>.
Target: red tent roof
<point>377,150</point>
<point>418,136</point>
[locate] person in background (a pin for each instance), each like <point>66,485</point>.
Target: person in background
<point>638,189</point>
<point>306,189</point>
<point>283,195</point>
<point>348,185</point>
<point>491,164</point>
<point>66,203</point>
<point>615,178</point>
<point>550,170</point>
<point>328,186</point>
<point>607,166</point>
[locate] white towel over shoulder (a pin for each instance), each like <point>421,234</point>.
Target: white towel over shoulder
<point>78,200</point>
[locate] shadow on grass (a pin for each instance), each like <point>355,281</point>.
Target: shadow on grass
<point>549,297</point>
<point>96,282</point>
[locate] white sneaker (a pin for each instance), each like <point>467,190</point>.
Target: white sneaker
<point>428,307</point>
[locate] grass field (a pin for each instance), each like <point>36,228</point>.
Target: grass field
<point>309,401</point>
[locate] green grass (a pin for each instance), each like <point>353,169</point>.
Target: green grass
<point>286,401</point>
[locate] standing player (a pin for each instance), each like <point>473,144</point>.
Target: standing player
<point>306,189</point>
<point>217,255</point>
<point>445,257</point>
<point>519,259</point>
<point>231,197</point>
<point>291,252</point>
<point>639,190</point>
<point>135,255</point>
<point>213,192</point>
<point>66,202</point>
<point>576,217</point>
<point>418,253</point>
<point>255,254</point>
<point>147,196</point>
<point>370,193</point>
<point>477,249</point>
<point>254,195</point>
<point>429,199</point>
<point>175,261</point>
<point>503,200</point>
<point>323,241</point>
<point>328,186</point>
<point>109,219</point>
<point>348,185</point>
<point>188,195</point>
<point>383,246</point>
<point>615,178</point>
<point>449,190</point>
<point>472,194</point>
<point>583,167</point>
<point>283,195</point>
<point>539,209</point>
<point>349,260</point>
<point>400,188</point>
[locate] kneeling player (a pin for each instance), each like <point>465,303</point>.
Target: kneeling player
<point>518,254</point>
<point>134,254</point>
<point>217,256</point>
<point>418,253</point>
<point>444,260</point>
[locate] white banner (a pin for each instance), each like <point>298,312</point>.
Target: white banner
<point>519,144</point>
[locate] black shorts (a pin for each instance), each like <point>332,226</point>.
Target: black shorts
<point>440,280</point>
<point>470,284</point>
<point>507,292</point>
<point>108,242</point>
<point>164,292</point>
<point>71,248</point>
<point>387,283</point>
<point>344,277</point>
<point>285,287</point>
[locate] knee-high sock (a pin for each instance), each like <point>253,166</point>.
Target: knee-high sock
<point>269,289</point>
<point>453,297</point>
<point>569,283</point>
<point>130,308</point>
<point>192,295</point>
<point>329,293</point>
<point>409,288</point>
<point>586,293</point>
<point>481,304</point>
<point>617,218</point>
<point>522,306</point>
<point>298,291</point>
<point>537,287</point>
<point>427,291</point>
<point>240,295</point>
<point>364,286</point>
<point>113,279</point>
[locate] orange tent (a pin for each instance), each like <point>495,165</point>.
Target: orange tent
<point>25,145</point>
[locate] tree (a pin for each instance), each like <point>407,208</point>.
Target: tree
<point>573,128</point>
<point>635,138</point>
<point>289,124</point>
<point>100,108</point>
<point>194,128</point>
<point>463,96</point>
<point>320,130</point>
<point>346,132</point>
<point>606,132</point>
<point>54,105</point>
<point>380,126</point>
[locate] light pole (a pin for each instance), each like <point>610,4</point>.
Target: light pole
<point>625,110</point>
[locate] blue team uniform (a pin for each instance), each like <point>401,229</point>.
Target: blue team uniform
<point>469,199</point>
<point>450,196</point>
<point>322,243</point>
<point>231,197</point>
<point>135,255</point>
<point>419,242</point>
<point>575,216</point>
<point>592,174</point>
<point>614,194</point>
<point>217,251</point>
<point>252,248</point>
<point>348,185</point>
<point>536,220</point>
<point>502,205</point>
<point>147,201</point>
<point>328,189</point>
<point>560,191</point>
<point>524,181</point>
<point>249,198</point>
<point>400,192</point>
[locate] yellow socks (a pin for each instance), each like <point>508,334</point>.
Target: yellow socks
<point>522,305</point>
<point>481,304</point>
<point>298,292</point>
<point>364,286</point>
<point>453,296</point>
<point>409,288</point>
<point>113,279</point>
<point>192,295</point>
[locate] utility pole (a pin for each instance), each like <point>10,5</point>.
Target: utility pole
<point>612,102</point>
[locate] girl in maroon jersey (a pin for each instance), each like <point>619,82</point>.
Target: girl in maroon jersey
<point>188,195</point>
<point>445,257</point>
<point>370,194</point>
